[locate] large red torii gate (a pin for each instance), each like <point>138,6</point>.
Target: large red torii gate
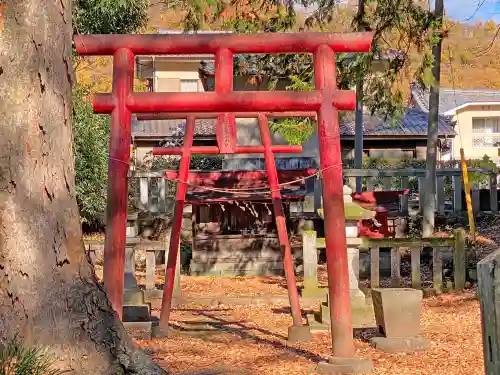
<point>326,100</point>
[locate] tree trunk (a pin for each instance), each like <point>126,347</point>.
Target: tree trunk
<point>49,294</point>
<point>429,196</point>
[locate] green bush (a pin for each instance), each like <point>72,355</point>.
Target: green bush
<point>17,359</point>
<point>480,180</point>
<point>90,143</point>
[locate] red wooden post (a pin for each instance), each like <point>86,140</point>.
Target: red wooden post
<point>173,248</point>
<point>226,122</point>
<point>333,205</point>
<point>272,176</point>
<point>118,166</point>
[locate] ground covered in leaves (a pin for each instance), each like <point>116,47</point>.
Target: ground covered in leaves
<point>250,339</point>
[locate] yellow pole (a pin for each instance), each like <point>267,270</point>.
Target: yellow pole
<point>468,199</point>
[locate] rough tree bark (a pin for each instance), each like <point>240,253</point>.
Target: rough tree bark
<point>49,294</point>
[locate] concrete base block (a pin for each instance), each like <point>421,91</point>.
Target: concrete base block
<point>299,334</point>
<point>139,330</point>
<point>141,313</point>
<point>352,365</point>
<point>399,345</point>
<point>158,332</point>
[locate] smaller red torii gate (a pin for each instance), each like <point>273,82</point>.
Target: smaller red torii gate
<point>297,330</point>
<point>186,150</point>
<point>326,100</point>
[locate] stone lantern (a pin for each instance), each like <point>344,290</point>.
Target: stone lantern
<point>353,214</point>
<point>362,313</point>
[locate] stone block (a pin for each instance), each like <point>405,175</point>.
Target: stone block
<point>397,311</point>
<point>298,333</point>
<point>140,313</point>
<point>399,344</point>
<point>158,332</point>
<point>133,296</point>
<point>352,365</point>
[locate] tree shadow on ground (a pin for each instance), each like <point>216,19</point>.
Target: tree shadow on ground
<point>365,334</point>
<point>244,332</point>
<point>280,281</point>
<point>215,371</point>
<point>287,310</point>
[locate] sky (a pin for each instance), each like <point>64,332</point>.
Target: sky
<point>467,10</point>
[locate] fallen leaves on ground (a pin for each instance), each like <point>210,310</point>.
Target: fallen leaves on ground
<point>252,340</point>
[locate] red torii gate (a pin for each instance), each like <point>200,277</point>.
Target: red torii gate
<point>326,100</point>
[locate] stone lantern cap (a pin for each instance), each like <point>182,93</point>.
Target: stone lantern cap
<point>352,211</point>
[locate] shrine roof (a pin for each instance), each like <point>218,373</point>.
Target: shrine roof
<point>216,185</point>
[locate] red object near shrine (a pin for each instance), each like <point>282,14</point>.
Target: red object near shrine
<point>326,100</point>
<point>374,200</point>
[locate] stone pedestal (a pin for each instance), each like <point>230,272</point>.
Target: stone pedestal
<point>357,296</point>
<point>177,278</point>
<point>397,313</point>
<point>310,259</point>
<point>362,313</point>
<point>135,309</point>
<point>130,282</point>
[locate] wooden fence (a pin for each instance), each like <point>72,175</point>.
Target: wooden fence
<point>153,193</point>
<point>150,248</point>
<point>415,246</point>
<point>449,186</point>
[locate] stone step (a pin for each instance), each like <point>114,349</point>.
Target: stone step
<point>240,268</point>
<point>237,258</point>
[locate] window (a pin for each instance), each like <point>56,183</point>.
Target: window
<point>486,125</point>
<point>483,127</point>
<point>481,142</point>
<point>189,85</point>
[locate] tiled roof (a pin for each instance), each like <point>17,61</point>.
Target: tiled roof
<point>167,128</point>
<point>449,99</point>
<point>413,123</point>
